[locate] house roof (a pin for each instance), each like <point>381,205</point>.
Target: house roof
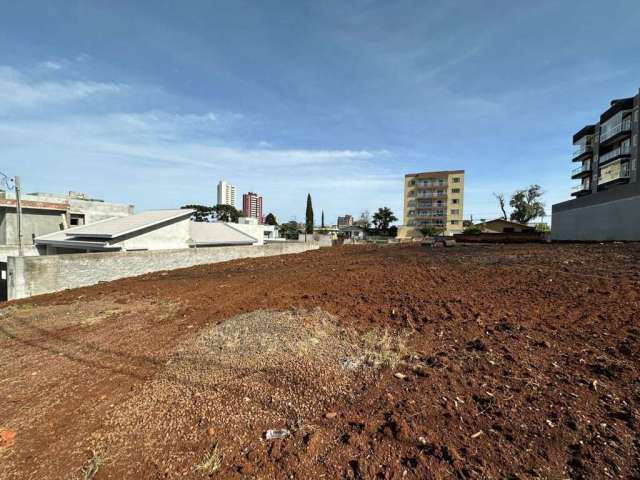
<point>60,239</point>
<point>219,233</point>
<point>116,227</point>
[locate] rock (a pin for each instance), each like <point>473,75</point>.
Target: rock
<point>399,375</point>
<point>7,437</point>
<point>331,415</point>
<point>211,431</point>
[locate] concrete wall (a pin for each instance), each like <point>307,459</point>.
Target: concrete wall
<point>34,222</point>
<point>253,230</point>
<point>28,276</point>
<point>614,220</point>
<point>12,251</point>
<point>323,239</point>
<point>172,235</point>
<point>96,211</point>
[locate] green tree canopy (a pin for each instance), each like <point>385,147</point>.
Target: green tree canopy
<point>309,215</point>
<point>382,219</point>
<point>226,213</point>
<point>526,204</point>
<point>202,213</point>
<point>270,219</point>
<point>289,230</point>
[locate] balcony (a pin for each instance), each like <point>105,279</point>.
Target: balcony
<point>580,189</point>
<point>615,175</point>
<point>423,194</point>
<point>580,152</point>
<point>582,169</point>
<point>621,151</point>
<point>618,129</point>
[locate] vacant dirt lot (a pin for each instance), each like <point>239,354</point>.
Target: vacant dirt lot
<point>381,362</point>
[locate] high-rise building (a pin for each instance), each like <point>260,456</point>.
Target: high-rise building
<point>607,203</point>
<point>252,206</point>
<point>434,199</point>
<point>226,194</point>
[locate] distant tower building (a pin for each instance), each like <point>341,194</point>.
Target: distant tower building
<point>252,206</point>
<point>345,221</point>
<point>226,194</point>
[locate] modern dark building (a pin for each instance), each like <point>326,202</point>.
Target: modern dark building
<point>607,198</point>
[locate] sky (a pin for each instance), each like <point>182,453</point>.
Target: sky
<point>153,102</point>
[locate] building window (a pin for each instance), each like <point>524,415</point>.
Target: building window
<point>455,190</point>
<point>455,212</point>
<point>455,201</point>
<point>456,179</point>
<point>454,222</point>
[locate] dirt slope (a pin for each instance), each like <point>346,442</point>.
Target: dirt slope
<point>497,362</point>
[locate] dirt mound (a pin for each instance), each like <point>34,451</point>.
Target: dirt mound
<point>234,381</point>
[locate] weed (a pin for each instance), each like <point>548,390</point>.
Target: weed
<point>212,461</point>
<point>383,349</point>
<point>90,469</point>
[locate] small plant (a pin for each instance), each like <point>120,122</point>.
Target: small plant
<point>431,231</point>
<point>212,461</point>
<point>473,230</point>
<point>92,466</point>
<point>383,349</point>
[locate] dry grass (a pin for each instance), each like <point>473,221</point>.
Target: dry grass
<point>212,461</point>
<point>384,349</point>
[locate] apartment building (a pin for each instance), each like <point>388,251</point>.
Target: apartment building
<point>606,203</point>
<point>434,199</point>
<point>252,206</point>
<point>226,194</point>
<point>345,221</point>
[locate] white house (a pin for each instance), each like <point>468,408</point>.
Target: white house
<point>150,230</point>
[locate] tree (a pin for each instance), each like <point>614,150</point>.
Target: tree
<point>526,204</point>
<point>322,221</point>
<point>365,220</point>
<point>289,230</point>
<point>382,219</point>
<point>500,197</point>
<point>226,213</point>
<point>430,231</point>
<point>202,213</point>
<point>309,215</point>
<point>270,219</point>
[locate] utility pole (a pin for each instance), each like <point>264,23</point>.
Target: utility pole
<point>16,182</point>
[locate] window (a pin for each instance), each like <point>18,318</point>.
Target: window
<point>455,190</point>
<point>455,212</point>
<point>455,222</point>
<point>456,179</point>
<point>455,201</point>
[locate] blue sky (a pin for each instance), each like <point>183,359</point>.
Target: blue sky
<point>152,102</point>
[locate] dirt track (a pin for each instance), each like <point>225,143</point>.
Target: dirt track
<point>513,362</point>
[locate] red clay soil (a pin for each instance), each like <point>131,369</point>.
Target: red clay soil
<point>494,362</point>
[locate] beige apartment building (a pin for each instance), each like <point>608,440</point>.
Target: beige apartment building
<point>433,199</point>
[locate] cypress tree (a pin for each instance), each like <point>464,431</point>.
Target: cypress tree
<point>309,215</point>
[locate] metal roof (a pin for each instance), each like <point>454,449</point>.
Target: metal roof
<point>116,227</point>
<point>219,233</point>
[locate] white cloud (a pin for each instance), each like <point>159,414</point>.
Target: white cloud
<point>19,91</point>
<point>51,65</point>
<point>162,158</point>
